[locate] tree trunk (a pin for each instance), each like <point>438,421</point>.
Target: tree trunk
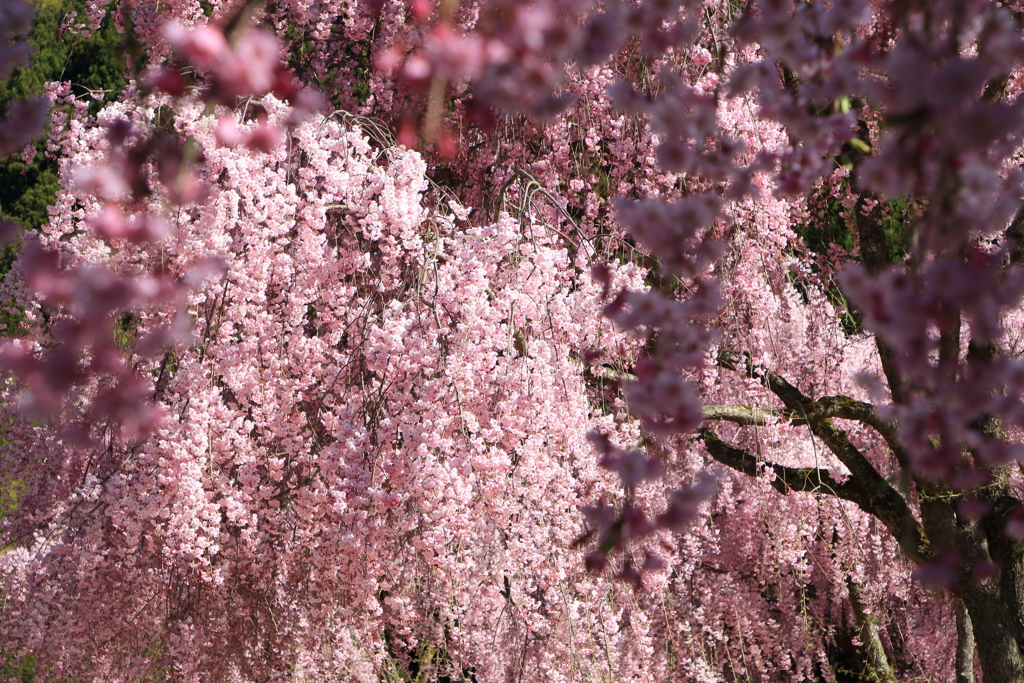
<point>876,661</point>
<point>964,643</point>
<point>993,605</point>
<point>998,650</point>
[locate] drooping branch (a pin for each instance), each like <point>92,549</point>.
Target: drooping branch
<point>866,488</point>
<point>964,643</point>
<point>802,479</point>
<point>801,409</point>
<point>743,415</point>
<point>876,661</point>
<point>883,501</point>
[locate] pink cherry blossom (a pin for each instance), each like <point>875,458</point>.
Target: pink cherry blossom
<point>288,399</point>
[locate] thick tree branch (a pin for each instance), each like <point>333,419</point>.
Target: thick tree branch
<point>874,251</point>
<point>876,661</point>
<point>1015,233</point>
<point>949,345</point>
<point>881,502</point>
<point>992,605</point>
<point>964,643</point>
<point>802,410</point>
<point>847,408</point>
<point>803,479</point>
<point>995,89</point>
<point>822,427</point>
<point>743,415</point>
<point>824,408</point>
<point>1008,554</point>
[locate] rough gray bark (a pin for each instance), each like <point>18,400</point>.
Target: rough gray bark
<point>876,661</point>
<point>964,643</point>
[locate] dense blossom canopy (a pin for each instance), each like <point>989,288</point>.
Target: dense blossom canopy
<point>383,338</point>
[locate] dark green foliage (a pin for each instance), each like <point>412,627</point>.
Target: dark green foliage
<point>26,192</point>
<point>827,224</point>
<point>831,223</point>
<point>898,221</point>
<point>11,490</point>
<point>14,669</point>
<point>425,664</point>
<point>93,65</point>
<point>353,70</point>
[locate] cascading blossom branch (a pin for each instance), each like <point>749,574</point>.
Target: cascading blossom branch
<point>146,173</point>
<point>362,410</point>
<point>935,75</point>
<point>344,403</point>
<point>389,394</point>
